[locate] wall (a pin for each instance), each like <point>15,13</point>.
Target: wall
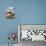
<point>6,25</point>
<point>31,11</point>
<point>27,12</point>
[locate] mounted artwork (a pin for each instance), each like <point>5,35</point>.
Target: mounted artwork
<point>32,32</point>
<point>11,37</point>
<point>10,13</point>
